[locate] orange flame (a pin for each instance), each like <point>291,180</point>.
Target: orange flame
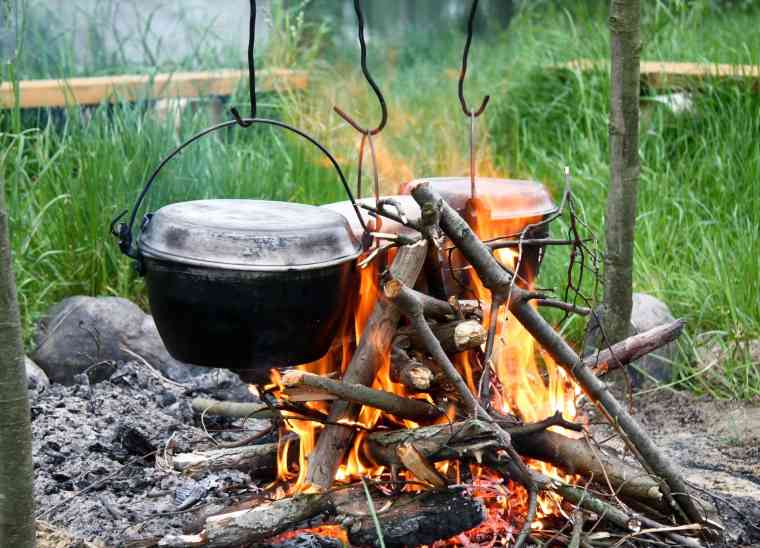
<point>529,384</point>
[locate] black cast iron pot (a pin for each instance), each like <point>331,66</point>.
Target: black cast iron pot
<point>245,284</point>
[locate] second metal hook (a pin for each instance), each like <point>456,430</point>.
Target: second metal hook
<point>463,73</point>
<point>370,81</point>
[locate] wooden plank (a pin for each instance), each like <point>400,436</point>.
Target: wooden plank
<point>666,74</point>
<point>95,90</point>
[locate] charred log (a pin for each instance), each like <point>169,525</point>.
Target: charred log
<point>407,519</point>
<point>419,520</point>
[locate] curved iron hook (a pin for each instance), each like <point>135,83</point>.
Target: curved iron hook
<point>370,81</point>
<point>251,71</point>
<point>463,72</point>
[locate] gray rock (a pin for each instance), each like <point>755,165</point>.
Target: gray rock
<point>82,335</point>
<point>36,379</point>
<point>648,312</point>
<point>147,343</point>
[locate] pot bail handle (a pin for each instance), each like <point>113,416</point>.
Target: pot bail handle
<point>124,232</point>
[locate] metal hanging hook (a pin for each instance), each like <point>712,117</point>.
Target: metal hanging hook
<point>251,71</point>
<point>370,81</point>
<point>463,72</point>
<point>367,133</point>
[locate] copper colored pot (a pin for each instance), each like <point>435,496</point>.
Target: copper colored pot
<point>499,208</point>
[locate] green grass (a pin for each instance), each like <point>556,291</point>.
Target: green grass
<point>698,235</point>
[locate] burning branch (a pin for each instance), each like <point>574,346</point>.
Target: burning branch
<point>455,337</point>
<point>334,440</point>
<point>499,281</point>
<point>403,408</point>
<point>410,304</point>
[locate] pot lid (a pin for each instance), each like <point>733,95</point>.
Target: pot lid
<point>507,198</point>
<point>248,235</point>
<point>410,208</point>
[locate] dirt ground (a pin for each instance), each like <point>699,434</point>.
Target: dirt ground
<point>94,483</point>
<point>717,445</point>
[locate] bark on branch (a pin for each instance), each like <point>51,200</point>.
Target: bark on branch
<point>403,408</point>
<point>634,347</point>
<point>334,441</point>
<point>620,219</point>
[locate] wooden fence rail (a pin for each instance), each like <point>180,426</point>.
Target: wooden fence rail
<point>662,75</point>
<point>99,89</point>
<point>96,90</point>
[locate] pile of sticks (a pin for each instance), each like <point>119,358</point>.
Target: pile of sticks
<point>422,334</point>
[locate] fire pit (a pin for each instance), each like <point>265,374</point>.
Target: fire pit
<point>399,404</point>
<point>445,407</point>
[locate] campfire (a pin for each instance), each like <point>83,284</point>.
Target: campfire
<point>411,392</point>
<point>417,395</point>
<point>449,421</point>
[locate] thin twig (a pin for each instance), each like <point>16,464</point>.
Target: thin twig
<point>555,420</point>
<point>153,371</point>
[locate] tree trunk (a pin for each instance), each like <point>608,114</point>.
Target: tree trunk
<point>624,167</point>
<point>16,503</point>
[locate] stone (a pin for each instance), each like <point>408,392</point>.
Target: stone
<point>647,312</point>
<point>36,378</point>
<point>147,343</point>
<point>81,337</point>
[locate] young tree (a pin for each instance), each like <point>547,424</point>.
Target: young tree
<point>625,41</point>
<point>16,502</point>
